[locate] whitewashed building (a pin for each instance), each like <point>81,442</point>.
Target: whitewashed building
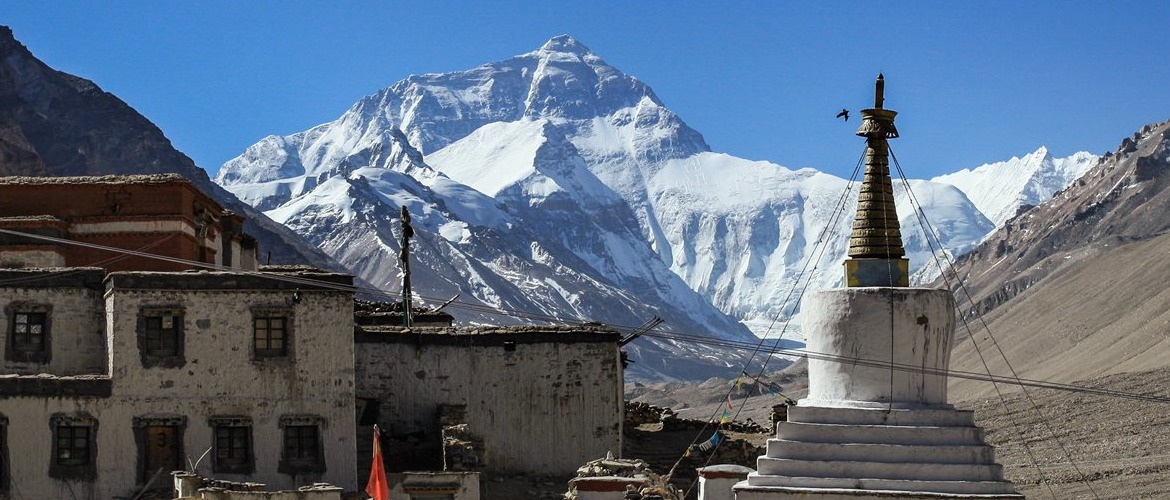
<point>257,370</point>
<point>111,380</point>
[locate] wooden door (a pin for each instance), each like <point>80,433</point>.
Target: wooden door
<point>163,452</point>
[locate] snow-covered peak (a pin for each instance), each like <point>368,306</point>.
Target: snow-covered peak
<point>552,182</point>
<point>565,44</point>
<point>1002,189</point>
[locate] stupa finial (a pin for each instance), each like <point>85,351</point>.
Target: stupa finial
<point>876,254</point>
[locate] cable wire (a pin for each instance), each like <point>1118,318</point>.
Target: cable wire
<point>928,231</point>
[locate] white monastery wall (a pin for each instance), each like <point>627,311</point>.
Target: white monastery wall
<point>540,404</point>
<point>71,301</point>
<point>216,375</point>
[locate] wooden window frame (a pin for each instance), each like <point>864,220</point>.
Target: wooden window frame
<point>67,429</point>
<point>152,340</point>
<point>265,323</point>
<point>297,460</point>
<point>228,429</point>
<point>18,347</point>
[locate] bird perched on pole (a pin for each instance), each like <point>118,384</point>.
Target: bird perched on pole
<point>843,114</point>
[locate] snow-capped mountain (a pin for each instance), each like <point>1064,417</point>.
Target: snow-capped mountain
<point>1000,190</point>
<point>555,184</point>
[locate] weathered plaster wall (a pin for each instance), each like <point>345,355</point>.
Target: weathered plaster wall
<point>869,328</point>
<point>540,405</point>
<point>462,485</point>
<point>218,377</point>
<point>72,300</point>
<point>31,256</point>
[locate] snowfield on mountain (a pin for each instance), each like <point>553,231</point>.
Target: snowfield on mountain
<point>553,185</point>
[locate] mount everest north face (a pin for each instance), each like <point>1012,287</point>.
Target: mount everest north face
<point>553,187</point>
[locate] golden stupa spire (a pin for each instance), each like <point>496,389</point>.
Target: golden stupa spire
<point>876,254</point>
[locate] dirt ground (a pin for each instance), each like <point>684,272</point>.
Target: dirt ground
<point>1119,447</point>
<point>1084,446</point>
<point>1065,446</point>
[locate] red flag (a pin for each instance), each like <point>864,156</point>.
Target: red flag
<point>377,487</point>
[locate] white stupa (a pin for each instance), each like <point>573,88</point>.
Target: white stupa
<point>876,422</point>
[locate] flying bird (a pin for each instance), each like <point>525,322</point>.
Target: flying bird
<point>843,114</point>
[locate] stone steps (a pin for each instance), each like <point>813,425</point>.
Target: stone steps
<point>840,433</point>
<point>934,417</point>
<point>928,451</point>
<point>880,452</point>
<point>948,487</point>
<point>856,470</point>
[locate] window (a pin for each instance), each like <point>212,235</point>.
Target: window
<point>300,442</point>
<point>162,334</point>
<point>160,337</point>
<point>233,445</point>
<point>271,333</point>
<point>302,451</point>
<point>74,446</point>
<point>28,333</point>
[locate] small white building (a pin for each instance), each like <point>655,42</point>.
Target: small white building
<point>525,399</point>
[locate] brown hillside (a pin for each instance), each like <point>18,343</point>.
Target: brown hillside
<point>1075,288</point>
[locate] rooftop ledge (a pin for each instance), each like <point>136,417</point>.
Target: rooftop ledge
<point>94,386</point>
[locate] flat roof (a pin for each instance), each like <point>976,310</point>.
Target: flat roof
<point>486,335</point>
<point>95,179</point>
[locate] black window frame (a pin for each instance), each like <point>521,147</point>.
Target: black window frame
<point>76,432</point>
<point>17,347</point>
<point>300,459</point>
<point>27,328</point>
<point>73,445</point>
<point>236,432</point>
<point>150,339</point>
<point>302,442</point>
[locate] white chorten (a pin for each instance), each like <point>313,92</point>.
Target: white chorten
<point>876,422</point>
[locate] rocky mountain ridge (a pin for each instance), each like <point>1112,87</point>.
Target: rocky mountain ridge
<point>1075,288</point>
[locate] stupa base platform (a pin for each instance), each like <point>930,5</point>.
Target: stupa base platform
<point>788,493</point>
<point>849,453</point>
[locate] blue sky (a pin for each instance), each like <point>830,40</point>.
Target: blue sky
<point>974,82</point>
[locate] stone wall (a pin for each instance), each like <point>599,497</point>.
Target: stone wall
<point>71,300</point>
<point>542,399</point>
<point>192,486</point>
